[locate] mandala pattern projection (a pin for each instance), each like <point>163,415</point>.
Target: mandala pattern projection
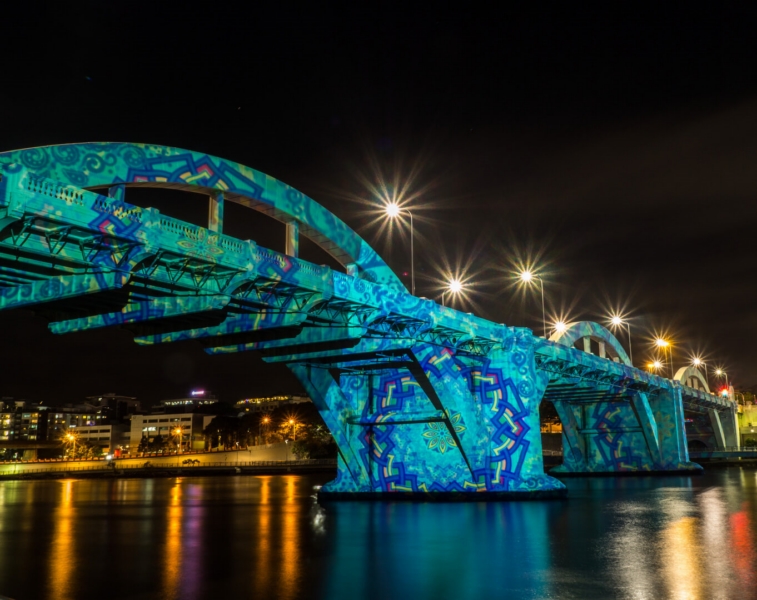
<point>422,400</point>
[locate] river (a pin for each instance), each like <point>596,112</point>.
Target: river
<point>265,537</point>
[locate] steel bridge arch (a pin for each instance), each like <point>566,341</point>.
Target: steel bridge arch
<point>686,374</point>
<point>593,331</point>
<point>107,164</point>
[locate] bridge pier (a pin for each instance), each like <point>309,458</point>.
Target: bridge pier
<point>641,433</point>
<point>430,423</point>
<point>725,428</point>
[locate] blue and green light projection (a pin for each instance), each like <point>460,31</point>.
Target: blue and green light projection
<point>422,400</point>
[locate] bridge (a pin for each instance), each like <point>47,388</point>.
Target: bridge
<point>422,400</point>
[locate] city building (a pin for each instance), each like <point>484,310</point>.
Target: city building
<point>196,399</point>
<point>167,425</point>
<point>107,438</point>
<point>268,403</point>
<point>748,424</point>
<point>114,407</point>
<point>19,421</point>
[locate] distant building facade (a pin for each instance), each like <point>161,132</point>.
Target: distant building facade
<point>268,403</point>
<point>106,438</point>
<point>166,425</point>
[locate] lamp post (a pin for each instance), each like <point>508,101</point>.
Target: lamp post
<point>697,362</point>
<point>722,373</point>
<point>178,433</point>
<point>527,277</point>
<point>294,424</point>
<point>665,346</point>
<point>72,438</point>
<point>617,321</point>
<point>394,210</point>
<point>265,420</point>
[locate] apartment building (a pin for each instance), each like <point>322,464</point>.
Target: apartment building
<point>170,426</point>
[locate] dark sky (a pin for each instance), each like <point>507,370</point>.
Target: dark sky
<point>615,147</point>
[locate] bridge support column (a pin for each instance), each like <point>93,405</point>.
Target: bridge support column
<point>332,404</point>
<point>427,423</point>
<point>667,407</point>
<point>727,424</point>
<point>215,212</point>
<point>117,192</point>
<point>622,434</point>
<point>717,429</point>
<point>293,239</point>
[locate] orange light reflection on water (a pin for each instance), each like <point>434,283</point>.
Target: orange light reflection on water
<point>680,555</point>
<point>62,551</point>
<point>173,553</point>
<point>290,576</point>
<point>264,559</point>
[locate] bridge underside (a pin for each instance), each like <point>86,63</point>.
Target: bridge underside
<point>617,419</point>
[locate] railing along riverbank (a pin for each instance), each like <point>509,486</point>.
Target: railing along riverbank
<point>149,469</point>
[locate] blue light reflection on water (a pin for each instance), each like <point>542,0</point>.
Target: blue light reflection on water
<point>196,538</point>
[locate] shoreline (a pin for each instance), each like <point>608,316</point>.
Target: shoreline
<point>174,470</point>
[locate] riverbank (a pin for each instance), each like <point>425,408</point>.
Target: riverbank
<point>259,460</point>
<point>165,469</point>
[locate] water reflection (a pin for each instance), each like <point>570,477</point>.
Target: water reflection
<point>172,556</point>
<point>469,550</point>
<point>196,538</point>
<point>291,567</point>
<point>63,559</point>
<point>262,552</point>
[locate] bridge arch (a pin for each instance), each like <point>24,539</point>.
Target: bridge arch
<point>588,330</point>
<point>107,164</point>
<point>692,377</point>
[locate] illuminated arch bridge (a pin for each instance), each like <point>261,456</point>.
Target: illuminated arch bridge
<point>421,399</point>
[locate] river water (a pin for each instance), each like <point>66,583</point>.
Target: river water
<point>266,537</point>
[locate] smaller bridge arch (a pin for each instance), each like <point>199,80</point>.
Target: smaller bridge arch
<point>692,377</point>
<point>588,331</point>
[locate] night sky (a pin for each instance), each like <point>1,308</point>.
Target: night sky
<point>612,149</point>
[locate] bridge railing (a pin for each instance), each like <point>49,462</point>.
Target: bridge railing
<point>751,449</point>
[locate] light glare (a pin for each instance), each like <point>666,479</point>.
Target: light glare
<point>455,286</point>
<point>526,276</point>
<point>392,210</point>
<point>560,326</point>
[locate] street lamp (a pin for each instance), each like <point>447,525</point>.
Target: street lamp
<point>394,210</point>
<point>617,321</point>
<point>178,433</point>
<point>656,365</point>
<point>722,373</point>
<point>560,326</point>
<point>294,424</point>
<point>454,287</point>
<point>72,438</point>
<point>665,346</point>
<point>265,420</point>
<point>697,362</point>
<point>527,277</point>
